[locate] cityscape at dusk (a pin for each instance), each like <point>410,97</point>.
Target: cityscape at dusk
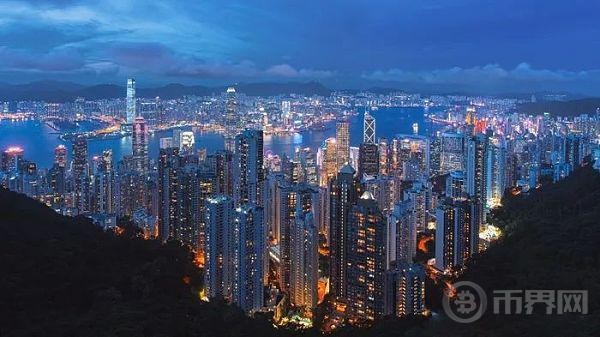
<point>273,169</point>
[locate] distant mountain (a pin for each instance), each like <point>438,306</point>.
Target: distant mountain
<point>560,108</point>
<point>56,91</point>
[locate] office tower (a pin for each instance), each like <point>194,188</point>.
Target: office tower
<point>102,183</point>
<point>384,162</point>
<point>329,164</point>
<point>495,172</point>
<point>453,236</point>
<point>354,156</point>
<point>304,261</point>
<point>402,233</point>
<point>139,143</point>
<point>131,103</point>
<point>292,170</point>
<point>405,289</point>
<point>294,200</point>
<point>368,129</point>
<point>27,181</point>
<point>251,257</point>
<point>475,176</point>
<point>80,174</point>
<point>343,193</point>
<point>366,259</point>
<point>219,273</point>
<point>456,185</point>
<point>230,120</point>
<point>248,168</point>
<point>342,138</point>
<point>186,142</point>
<point>452,152</point>
<point>368,162</point>
<point>60,156</point>
<point>11,159</point>
<point>168,186</point>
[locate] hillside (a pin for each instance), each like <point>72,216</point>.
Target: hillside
<point>54,91</point>
<point>62,276</point>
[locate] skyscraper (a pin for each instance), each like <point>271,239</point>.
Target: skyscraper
<point>453,235</point>
<point>80,174</point>
<point>248,168</point>
<point>219,273</point>
<point>343,191</point>
<point>168,174</point>
<point>139,143</point>
<point>230,120</point>
<point>304,266</point>
<point>402,233</point>
<point>342,137</point>
<point>475,176</point>
<point>251,257</point>
<point>366,259</point>
<point>131,103</point>
<point>368,160</point>
<point>368,129</point>
<point>60,156</point>
<point>405,289</point>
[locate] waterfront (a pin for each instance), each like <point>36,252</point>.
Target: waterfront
<point>39,140</point>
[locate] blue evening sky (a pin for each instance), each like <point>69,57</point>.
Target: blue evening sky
<point>495,46</point>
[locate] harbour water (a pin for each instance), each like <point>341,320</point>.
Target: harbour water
<point>39,140</point>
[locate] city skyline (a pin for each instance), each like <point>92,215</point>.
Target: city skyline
<point>459,45</point>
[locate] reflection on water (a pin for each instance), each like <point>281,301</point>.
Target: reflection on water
<point>39,141</point>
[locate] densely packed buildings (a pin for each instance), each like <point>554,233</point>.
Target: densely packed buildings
<point>262,225</point>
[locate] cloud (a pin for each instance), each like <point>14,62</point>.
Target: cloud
<point>56,61</point>
<point>491,73</point>
<point>286,70</point>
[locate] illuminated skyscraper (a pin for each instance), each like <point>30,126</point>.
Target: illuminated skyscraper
<point>249,173</point>
<point>454,234</point>
<point>329,161</point>
<point>230,120</point>
<point>131,103</point>
<point>294,201</point>
<point>366,259</point>
<point>80,169</point>
<point>251,257</point>
<point>343,191</point>
<point>11,159</point>
<point>405,290</point>
<point>475,176</point>
<point>368,129</point>
<point>219,273</point>
<point>368,160</point>
<point>342,138</point>
<point>102,183</point>
<point>60,156</point>
<point>139,143</point>
<point>186,142</point>
<point>168,174</point>
<point>452,152</point>
<point>402,233</point>
<point>495,172</point>
<point>384,162</point>
<point>304,256</point>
